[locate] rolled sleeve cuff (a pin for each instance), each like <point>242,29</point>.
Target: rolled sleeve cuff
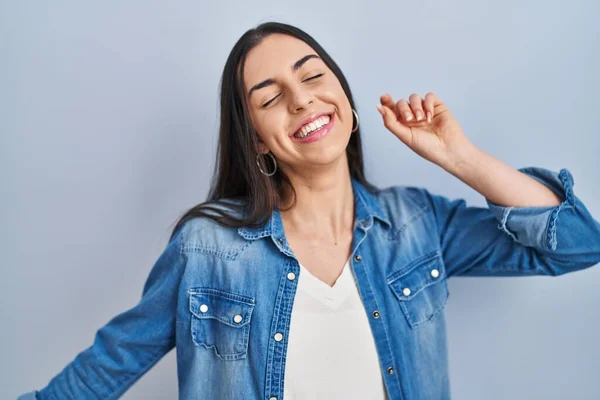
<point>536,226</point>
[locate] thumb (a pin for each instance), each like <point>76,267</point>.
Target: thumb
<point>390,121</point>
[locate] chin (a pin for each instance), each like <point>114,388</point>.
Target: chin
<point>326,155</point>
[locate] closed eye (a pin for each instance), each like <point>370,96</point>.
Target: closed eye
<point>270,101</point>
<point>314,77</point>
<point>306,80</point>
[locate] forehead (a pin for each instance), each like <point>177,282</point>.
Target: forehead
<point>274,55</point>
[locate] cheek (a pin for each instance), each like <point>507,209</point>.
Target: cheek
<point>345,115</point>
<point>339,98</point>
<point>270,126</point>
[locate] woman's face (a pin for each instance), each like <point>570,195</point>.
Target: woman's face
<point>296,103</point>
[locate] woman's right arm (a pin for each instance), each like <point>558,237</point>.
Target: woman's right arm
<point>130,343</point>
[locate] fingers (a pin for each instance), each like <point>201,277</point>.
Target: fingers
<point>404,110</point>
<point>400,109</point>
<point>416,109</point>
<point>429,105</point>
<point>416,106</point>
<point>388,101</point>
<point>391,122</point>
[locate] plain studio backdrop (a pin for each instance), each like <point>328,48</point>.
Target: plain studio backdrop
<point>109,119</point>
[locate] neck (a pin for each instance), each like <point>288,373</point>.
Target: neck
<point>324,203</point>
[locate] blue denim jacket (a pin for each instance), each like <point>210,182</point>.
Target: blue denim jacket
<point>223,297</point>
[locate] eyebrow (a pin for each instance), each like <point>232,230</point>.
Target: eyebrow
<point>268,82</point>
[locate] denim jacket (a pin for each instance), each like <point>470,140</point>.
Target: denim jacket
<point>223,296</point>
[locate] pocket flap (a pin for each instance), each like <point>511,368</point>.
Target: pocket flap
<point>417,275</point>
<point>232,309</point>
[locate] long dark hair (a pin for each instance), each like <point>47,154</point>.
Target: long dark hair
<point>240,194</point>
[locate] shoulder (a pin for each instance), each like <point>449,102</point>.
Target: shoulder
<point>408,203</point>
<point>403,200</point>
<point>205,234</point>
<point>402,205</point>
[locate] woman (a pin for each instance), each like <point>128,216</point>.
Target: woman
<point>300,280</point>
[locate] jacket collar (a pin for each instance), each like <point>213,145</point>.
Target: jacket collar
<point>366,205</point>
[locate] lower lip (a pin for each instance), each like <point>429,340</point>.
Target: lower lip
<point>318,134</point>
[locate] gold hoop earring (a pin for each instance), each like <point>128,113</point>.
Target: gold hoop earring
<point>357,121</point>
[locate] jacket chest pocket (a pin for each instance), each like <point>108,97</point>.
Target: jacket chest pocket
<point>221,320</point>
<point>421,288</point>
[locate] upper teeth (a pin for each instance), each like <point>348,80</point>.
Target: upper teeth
<point>313,126</point>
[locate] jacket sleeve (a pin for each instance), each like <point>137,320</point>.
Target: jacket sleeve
<point>518,241</point>
<point>130,343</point>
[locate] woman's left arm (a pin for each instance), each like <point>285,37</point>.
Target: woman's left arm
<point>548,230</point>
<point>498,182</point>
<point>528,202</point>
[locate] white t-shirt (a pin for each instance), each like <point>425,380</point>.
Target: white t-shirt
<point>331,351</point>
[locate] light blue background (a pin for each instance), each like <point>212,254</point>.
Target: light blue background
<point>108,121</point>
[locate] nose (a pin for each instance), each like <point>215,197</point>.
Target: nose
<point>301,99</point>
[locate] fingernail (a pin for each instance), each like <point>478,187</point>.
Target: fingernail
<point>408,116</point>
<point>429,117</point>
<point>380,109</point>
<point>419,115</point>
